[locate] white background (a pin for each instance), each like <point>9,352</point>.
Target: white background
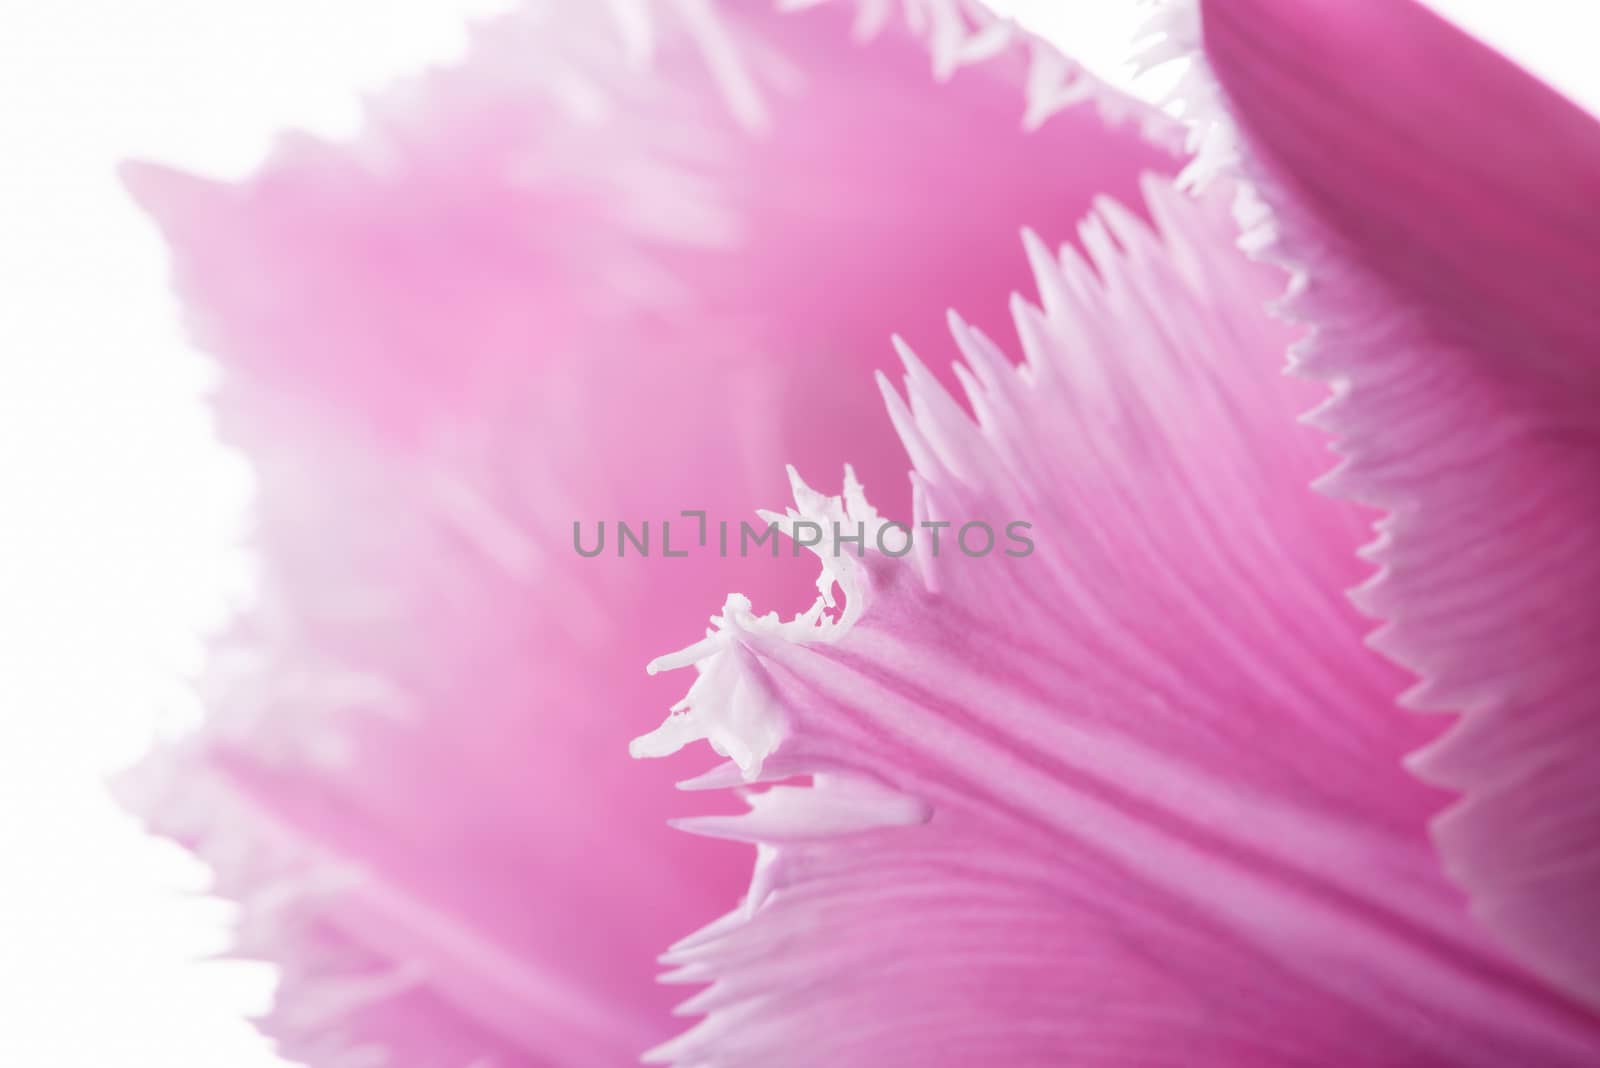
<point>118,514</point>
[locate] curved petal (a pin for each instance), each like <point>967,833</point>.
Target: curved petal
<point>1441,203</point>
<point>1132,797</point>
<point>603,271</point>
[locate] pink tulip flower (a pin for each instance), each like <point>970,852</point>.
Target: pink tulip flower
<point>1129,786</point>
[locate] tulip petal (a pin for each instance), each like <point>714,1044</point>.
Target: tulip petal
<point>607,269</point>
<point>1132,798</point>
<point>1439,203</point>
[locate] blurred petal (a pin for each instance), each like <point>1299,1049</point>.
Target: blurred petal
<point>1442,204</point>
<point>605,270</point>
<point>1134,798</point>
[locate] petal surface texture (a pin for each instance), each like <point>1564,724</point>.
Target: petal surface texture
<point>1132,798</point>
<point>622,261</point>
<point>1440,205</point>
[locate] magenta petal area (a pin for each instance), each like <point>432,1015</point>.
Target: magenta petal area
<point>622,261</point>
<point>1440,206</point>
<point>1133,797</point>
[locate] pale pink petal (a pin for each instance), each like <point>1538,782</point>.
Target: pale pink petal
<point>1132,799</point>
<point>1443,205</point>
<point>603,270</point>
